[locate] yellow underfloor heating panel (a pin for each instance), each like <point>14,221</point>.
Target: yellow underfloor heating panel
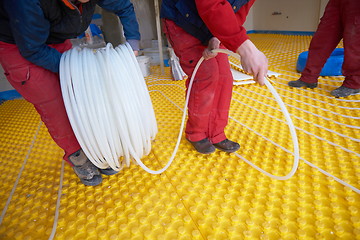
<point>215,197</point>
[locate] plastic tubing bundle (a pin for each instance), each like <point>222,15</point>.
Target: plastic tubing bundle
<point>108,105</point>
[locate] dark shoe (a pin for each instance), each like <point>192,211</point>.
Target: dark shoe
<point>227,146</point>
<point>88,173</point>
<point>344,91</point>
<point>299,84</point>
<point>108,171</point>
<point>203,146</point>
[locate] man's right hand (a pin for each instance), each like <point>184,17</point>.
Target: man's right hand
<point>253,61</point>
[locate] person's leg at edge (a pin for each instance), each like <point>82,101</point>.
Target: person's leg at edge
<point>189,50</point>
<point>220,113</point>
<point>350,14</point>
<point>220,110</point>
<point>324,41</point>
<point>42,88</point>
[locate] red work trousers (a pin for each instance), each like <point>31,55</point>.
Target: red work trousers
<point>41,87</point>
<point>341,20</point>
<point>210,96</point>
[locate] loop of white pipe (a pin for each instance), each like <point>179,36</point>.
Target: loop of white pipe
<point>288,120</point>
<point>279,101</point>
<point>122,104</point>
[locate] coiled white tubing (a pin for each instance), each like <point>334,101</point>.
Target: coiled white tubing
<point>108,105</point>
<point>112,124</point>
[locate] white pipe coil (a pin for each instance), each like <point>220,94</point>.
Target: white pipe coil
<point>108,105</point>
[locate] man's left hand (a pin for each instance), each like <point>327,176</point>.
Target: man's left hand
<point>214,43</point>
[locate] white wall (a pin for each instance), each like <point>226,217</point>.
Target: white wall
<point>322,6</point>
<point>145,14</point>
<point>4,84</point>
<point>249,23</point>
<point>286,15</point>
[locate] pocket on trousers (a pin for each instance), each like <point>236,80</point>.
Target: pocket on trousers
<point>19,74</point>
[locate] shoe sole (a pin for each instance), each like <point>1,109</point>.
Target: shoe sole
<point>96,180</point>
<point>227,150</point>
<point>108,172</point>
<point>303,86</point>
<point>206,152</point>
<point>345,95</point>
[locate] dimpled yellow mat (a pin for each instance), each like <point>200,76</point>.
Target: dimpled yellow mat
<point>216,196</point>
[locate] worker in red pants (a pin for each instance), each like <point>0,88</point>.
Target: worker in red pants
<point>33,35</point>
<point>341,20</point>
<point>194,28</point>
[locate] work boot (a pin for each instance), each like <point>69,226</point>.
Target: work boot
<point>203,146</point>
<point>344,92</point>
<point>227,146</point>
<point>88,173</point>
<point>299,84</point>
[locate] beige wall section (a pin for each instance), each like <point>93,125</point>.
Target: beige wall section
<point>323,4</point>
<point>249,23</point>
<point>145,14</point>
<point>286,15</point>
<point>112,28</point>
<point>4,84</point>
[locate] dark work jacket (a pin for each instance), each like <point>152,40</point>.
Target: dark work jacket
<point>32,24</point>
<point>185,15</point>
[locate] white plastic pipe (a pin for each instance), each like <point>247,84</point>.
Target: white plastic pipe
<point>288,120</point>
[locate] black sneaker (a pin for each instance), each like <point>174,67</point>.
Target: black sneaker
<point>203,146</point>
<point>299,84</point>
<point>227,146</point>
<point>344,92</point>
<point>88,173</point>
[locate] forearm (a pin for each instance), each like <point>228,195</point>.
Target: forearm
<point>44,56</point>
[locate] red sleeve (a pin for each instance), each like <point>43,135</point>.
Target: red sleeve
<point>223,23</point>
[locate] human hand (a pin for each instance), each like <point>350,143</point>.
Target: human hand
<point>214,43</point>
<point>136,53</point>
<point>253,61</point>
